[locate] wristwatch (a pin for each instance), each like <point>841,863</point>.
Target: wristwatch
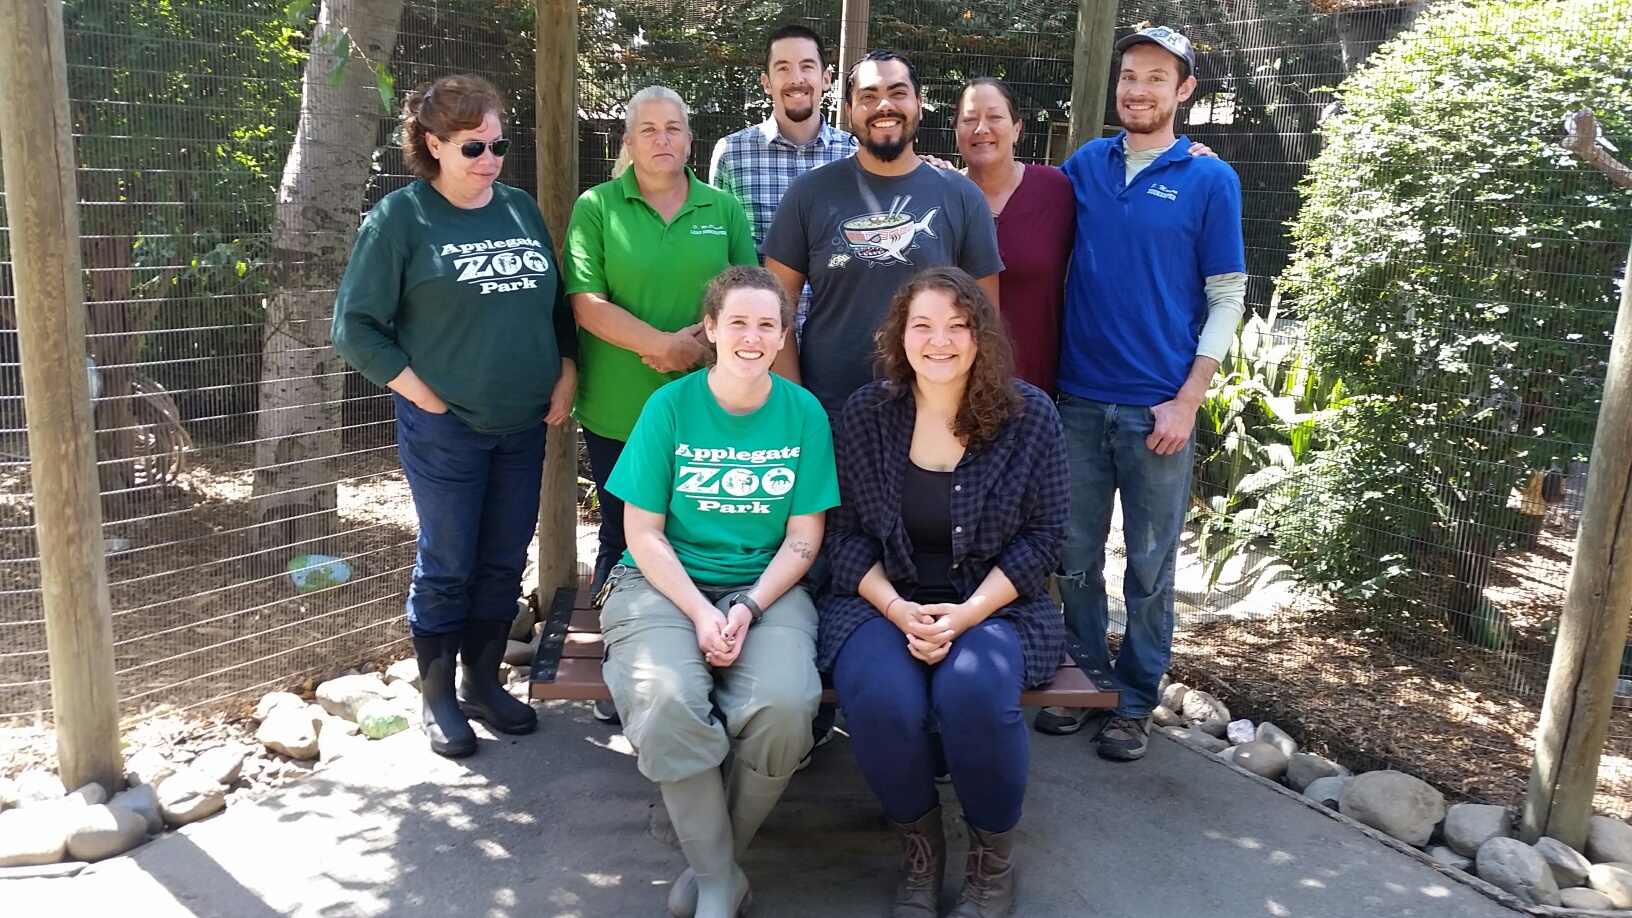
<point>745,599</point>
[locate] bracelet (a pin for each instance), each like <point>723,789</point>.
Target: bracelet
<point>890,603</point>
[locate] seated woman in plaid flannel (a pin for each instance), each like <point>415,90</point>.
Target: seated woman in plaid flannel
<point>953,490</point>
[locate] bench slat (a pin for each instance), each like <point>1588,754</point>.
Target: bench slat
<point>569,666</point>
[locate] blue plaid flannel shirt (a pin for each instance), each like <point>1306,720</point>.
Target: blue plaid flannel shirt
<point>1009,506</point>
<point>757,164</point>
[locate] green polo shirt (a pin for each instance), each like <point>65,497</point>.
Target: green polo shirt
<point>619,247</point>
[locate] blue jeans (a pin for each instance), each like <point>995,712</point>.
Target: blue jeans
<point>476,496</point>
<point>603,455</point>
<point>1106,443</point>
<point>890,699</point>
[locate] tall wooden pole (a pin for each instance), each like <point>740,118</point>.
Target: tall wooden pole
<point>1091,70</point>
<point>557,107</point>
<point>1592,630</point>
<point>41,207</point>
<point>853,19</point>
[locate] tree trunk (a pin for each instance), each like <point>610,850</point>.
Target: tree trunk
<point>328,170</point>
<point>1361,31</point>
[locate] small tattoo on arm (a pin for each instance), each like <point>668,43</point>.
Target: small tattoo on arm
<point>803,550</point>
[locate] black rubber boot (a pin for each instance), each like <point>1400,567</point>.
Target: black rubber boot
<point>443,722</point>
<point>481,694</point>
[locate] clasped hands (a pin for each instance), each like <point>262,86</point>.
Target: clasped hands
<point>720,635</point>
<point>681,350</point>
<point>930,628</point>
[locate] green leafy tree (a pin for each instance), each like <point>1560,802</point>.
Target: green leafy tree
<point>1457,271</point>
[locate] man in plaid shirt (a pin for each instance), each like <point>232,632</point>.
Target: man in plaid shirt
<point>758,162</point>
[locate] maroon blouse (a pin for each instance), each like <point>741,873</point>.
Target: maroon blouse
<point>1035,233</point>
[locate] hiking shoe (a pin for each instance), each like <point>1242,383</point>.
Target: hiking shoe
<point>606,712</point>
<point>1124,739</point>
<point>1066,721</point>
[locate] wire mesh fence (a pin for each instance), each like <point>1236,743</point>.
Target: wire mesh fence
<point>1389,467</point>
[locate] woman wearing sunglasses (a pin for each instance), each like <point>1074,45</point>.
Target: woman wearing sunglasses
<point>453,299</point>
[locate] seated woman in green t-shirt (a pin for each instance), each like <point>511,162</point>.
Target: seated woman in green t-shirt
<point>726,479</point>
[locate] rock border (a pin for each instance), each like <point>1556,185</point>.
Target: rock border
<point>1490,891</point>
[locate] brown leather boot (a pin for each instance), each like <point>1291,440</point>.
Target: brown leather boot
<point>991,883</point>
<point>923,865</point>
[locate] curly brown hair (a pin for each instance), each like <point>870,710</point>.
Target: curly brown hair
<point>444,107</point>
<point>989,395</point>
<point>744,277</point>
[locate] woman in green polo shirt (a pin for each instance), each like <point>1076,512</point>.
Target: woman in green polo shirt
<point>728,476</point>
<point>639,250</point>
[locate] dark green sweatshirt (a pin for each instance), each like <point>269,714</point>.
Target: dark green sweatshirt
<point>471,299</point>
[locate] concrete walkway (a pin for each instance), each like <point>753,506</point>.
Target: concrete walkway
<point>560,824</point>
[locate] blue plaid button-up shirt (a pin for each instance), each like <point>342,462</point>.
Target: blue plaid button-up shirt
<point>1009,503</point>
<point>757,164</point>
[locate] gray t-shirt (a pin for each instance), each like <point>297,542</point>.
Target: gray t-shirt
<point>858,237</point>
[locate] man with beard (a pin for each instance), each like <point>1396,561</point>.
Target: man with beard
<point>1153,297</point>
<point>858,228</point>
<point>758,162</point>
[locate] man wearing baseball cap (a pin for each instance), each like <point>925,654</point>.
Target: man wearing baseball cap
<point>1153,298</point>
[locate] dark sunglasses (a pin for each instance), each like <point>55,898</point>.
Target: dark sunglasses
<point>471,149</point>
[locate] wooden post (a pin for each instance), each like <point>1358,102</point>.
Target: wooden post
<point>41,205</point>
<point>1091,71</point>
<point>557,106</point>
<point>1592,630</point>
<point>853,20</point>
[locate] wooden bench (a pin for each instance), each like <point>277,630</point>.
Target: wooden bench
<point>567,665</point>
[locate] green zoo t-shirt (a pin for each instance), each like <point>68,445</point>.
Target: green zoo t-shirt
<point>727,482</point>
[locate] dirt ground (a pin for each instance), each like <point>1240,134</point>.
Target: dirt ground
<point>1395,688</point>
<point>203,616</point>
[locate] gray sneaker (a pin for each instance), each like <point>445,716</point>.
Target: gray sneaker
<point>1124,739</point>
<point>1066,721</point>
<point>606,712</point>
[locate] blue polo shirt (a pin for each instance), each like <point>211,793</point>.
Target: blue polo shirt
<point>1135,296</point>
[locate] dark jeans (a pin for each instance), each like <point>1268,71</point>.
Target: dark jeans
<point>603,456</point>
<point>890,698</point>
<point>476,496</point>
<point>1109,458</point>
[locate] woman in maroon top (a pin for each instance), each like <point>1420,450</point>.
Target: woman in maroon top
<point>1035,211</point>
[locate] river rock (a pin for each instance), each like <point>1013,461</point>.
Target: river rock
<point>521,628</point>
<point>1203,711</point>
<point>1569,865</point>
<point>1469,825</point>
<point>345,696</point>
<point>1262,759</point>
<point>188,796</point>
<point>1275,736</point>
<point>1227,753</point>
<point>37,786</point>
<point>147,766</point>
<point>1450,858</point>
<point>1516,867</point>
<point>334,744</point>
<point>105,831</point>
<point>33,835</point>
<point>1304,768</point>
<point>1161,716</point>
<point>1327,791</point>
<point>223,763</point>
<point>1395,804</point>
<point>1581,897</point>
<point>290,731</point>
<point>403,671</point>
<point>1614,881</point>
<point>517,653</point>
<point>1173,696</point>
<point>1239,731</point>
<point>381,718</point>
<point>1609,841</point>
<point>274,700</point>
<point>144,802</point>
<point>92,794</point>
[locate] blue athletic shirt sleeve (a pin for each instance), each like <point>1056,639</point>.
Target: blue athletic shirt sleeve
<point>1220,248</point>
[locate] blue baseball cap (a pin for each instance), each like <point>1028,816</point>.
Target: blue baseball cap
<point>1167,39</point>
